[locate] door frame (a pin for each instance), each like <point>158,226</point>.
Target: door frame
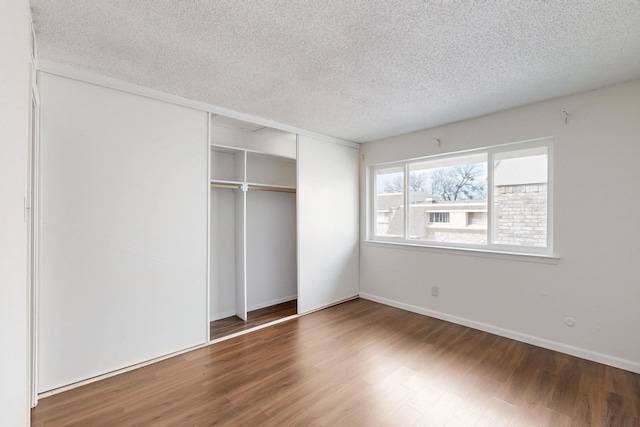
<point>32,217</point>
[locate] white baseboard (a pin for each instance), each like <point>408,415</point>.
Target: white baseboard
<point>217,316</point>
<point>606,359</point>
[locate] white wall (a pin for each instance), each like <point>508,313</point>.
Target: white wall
<point>15,78</point>
<point>124,230</point>
<point>596,235</point>
<point>271,248</point>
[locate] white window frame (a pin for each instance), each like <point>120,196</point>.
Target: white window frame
<point>491,152</point>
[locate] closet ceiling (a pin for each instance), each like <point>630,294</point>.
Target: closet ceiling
<point>359,69</point>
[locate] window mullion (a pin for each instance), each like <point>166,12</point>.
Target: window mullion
<point>374,202</point>
<point>490,202</point>
<point>550,185</point>
<point>406,201</point>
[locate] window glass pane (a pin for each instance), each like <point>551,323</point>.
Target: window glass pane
<point>389,202</point>
<point>520,197</point>
<point>448,199</point>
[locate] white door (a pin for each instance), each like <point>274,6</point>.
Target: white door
<point>123,271</point>
<point>328,218</point>
<point>32,209</point>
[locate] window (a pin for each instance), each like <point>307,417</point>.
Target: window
<point>389,203</point>
<point>497,198</point>
<point>438,216</point>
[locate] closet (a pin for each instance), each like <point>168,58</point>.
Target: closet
<point>252,221</point>
<point>139,252</point>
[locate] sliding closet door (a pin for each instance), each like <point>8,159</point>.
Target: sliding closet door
<point>124,230</point>
<point>327,223</point>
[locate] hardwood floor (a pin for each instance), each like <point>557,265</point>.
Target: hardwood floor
<point>359,363</point>
<point>230,325</point>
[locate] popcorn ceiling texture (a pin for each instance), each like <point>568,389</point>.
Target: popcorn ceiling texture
<point>359,70</point>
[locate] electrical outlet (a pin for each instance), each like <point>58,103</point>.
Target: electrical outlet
<point>434,291</point>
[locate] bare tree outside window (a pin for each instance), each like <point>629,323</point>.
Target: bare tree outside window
<point>459,182</point>
<point>417,182</point>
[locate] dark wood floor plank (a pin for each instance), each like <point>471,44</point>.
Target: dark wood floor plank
<point>358,363</point>
<point>231,325</point>
<point>566,388</point>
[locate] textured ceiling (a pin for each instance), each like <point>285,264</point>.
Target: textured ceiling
<point>354,69</point>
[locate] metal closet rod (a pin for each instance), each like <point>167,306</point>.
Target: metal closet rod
<point>276,189</point>
<point>231,186</point>
<point>253,187</point>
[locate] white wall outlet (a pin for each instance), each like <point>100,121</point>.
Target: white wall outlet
<point>434,291</point>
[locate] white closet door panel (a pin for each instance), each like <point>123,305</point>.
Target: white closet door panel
<point>124,230</point>
<point>271,248</point>
<point>327,223</point>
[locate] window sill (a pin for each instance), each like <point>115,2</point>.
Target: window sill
<point>474,252</point>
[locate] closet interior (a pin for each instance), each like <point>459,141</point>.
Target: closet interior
<point>253,266</point>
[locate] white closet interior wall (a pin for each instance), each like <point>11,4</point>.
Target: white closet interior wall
<point>265,140</point>
<point>271,248</point>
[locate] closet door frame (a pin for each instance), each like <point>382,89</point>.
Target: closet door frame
<point>208,291</point>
